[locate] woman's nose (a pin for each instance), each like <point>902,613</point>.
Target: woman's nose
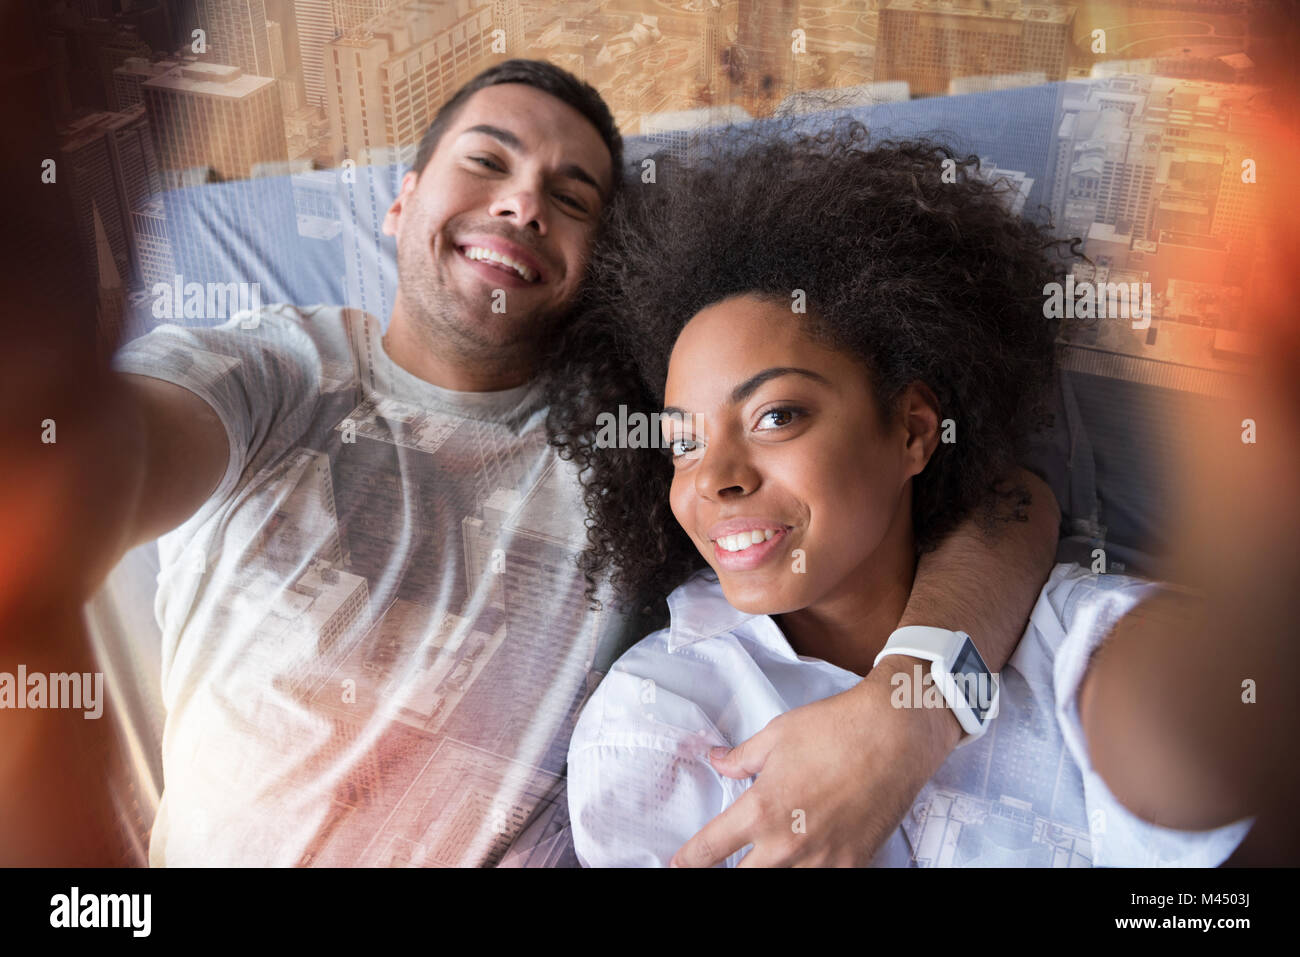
<point>725,472</point>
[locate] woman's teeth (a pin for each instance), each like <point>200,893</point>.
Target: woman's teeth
<point>491,255</point>
<point>742,540</point>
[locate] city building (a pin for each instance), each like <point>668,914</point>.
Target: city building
<point>211,115</point>
<point>929,44</point>
<point>384,84</point>
<point>108,159</point>
<point>236,33</point>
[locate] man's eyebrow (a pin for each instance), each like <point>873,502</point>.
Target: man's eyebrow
<point>505,137</point>
<point>509,140</point>
<point>747,388</point>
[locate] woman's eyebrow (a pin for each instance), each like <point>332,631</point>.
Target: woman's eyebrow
<point>747,388</point>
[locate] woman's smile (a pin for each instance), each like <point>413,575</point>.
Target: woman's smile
<point>752,543</point>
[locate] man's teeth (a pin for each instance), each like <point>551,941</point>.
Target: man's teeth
<point>491,255</point>
<point>742,540</point>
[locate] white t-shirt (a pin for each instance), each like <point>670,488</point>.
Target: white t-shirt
<point>1024,794</point>
<point>375,640</point>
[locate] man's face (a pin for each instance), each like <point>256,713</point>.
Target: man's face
<point>494,235</point>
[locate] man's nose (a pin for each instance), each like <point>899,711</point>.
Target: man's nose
<point>523,203</point>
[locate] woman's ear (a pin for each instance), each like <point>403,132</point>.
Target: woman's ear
<point>919,408</point>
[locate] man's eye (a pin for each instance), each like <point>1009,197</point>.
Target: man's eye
<point>571,202</point>
<point>778,418</point>
<point>489,163</point>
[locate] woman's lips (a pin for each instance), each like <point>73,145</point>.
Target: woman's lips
<point>750,557</point>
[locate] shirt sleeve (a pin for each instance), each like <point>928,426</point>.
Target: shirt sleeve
<point>1089,606</point>
<point>260,373</point>
<point>639,781</point>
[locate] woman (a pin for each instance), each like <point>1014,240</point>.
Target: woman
<point>847,351</point>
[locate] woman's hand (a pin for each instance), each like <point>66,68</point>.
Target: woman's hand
<point>835,778</point>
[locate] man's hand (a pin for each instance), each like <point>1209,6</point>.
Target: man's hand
<point>835,778</point>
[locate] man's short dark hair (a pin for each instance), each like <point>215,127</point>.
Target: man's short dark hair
<point>543,76</point>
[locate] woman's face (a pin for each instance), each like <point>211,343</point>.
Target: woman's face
<point>790,448</point>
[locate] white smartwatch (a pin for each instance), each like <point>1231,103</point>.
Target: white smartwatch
<point>967,685</point>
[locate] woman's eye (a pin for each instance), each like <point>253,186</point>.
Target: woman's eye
<point>778,417</point>
<point>681,448</point>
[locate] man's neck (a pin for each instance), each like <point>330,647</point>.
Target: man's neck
<point>447,369</point>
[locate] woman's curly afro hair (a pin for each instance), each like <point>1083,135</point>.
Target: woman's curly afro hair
<point>909,259</point>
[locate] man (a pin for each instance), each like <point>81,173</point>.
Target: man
<point>375,641</point>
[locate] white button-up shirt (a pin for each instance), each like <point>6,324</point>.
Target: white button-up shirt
<point>1024,794</point>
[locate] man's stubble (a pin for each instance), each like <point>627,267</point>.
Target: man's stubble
<point>471,331</point>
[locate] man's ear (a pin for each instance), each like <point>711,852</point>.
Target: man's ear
<point>403,195</point>
<point>920,416</point>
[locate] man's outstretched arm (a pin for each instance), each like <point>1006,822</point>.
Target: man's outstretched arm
<point>852,763</point>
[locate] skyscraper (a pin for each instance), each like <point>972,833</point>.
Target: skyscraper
<point>385,85</point>
<point>206,114</point>
<point>316,28</point>
<point>764,54</point>
<point>508,15</point>
<point>928,44</point>
<point>110,163</point>
<point>236,34</point>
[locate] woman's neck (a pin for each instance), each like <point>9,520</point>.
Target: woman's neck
<point>852,622</point>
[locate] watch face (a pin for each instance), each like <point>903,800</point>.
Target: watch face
<point>974,680</point>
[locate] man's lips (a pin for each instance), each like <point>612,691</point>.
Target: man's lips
<point>495,273</point>
<point>493,256</point>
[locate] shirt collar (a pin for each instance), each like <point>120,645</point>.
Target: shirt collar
<point>698,610</point>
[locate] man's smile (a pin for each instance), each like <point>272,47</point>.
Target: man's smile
<point>498,260</point>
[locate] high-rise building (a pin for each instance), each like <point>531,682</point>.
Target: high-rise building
<point>384,85</point>
<point>86,52</point>
<point>1105,173</point>
<point>508,15</point>
<point>764,52</point>
<point>109,161</point>
<point>316,28</point>
<point>928,44</point>
<point>353,15</point>
<point>111,298</point>
<point>130,76</point>
<point>275,40</point>
<point>210,115</point>
<point>153,248</point>
<point>237,34</point>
